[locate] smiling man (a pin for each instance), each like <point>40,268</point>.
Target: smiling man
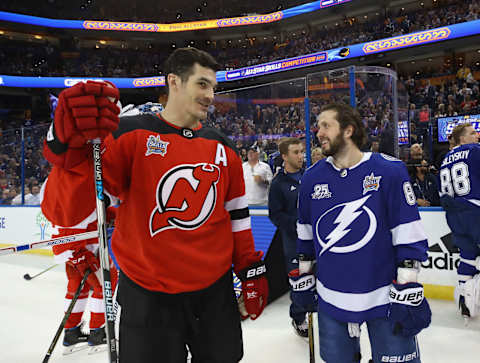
<point>183,220</point>
<point>359,221</point>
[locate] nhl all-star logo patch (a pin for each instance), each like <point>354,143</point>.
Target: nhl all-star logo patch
<point>371,183</point>
<point>156,146</point>
<point>320,191</point>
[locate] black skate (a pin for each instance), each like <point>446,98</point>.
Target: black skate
<point>74,340</point>
<point>463,308</point>
<point>301,328</point>
<point>97,341</point>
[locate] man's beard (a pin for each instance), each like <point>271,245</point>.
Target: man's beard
<point>337,144</point>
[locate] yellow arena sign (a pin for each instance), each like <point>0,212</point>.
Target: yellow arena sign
<point>407,40</point>
<point>178,27</point>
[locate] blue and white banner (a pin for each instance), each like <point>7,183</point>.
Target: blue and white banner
<point>447,124</point>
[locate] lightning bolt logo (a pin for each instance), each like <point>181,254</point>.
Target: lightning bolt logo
<point>349,213</point>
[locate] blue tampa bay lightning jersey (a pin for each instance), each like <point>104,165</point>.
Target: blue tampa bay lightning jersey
<point>360,223</point>
<point>460,174</point>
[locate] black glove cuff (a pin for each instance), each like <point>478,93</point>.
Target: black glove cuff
<point>302,257</point>
<point>253,271</point>
<point>409,264</point>
<point>54,143</point>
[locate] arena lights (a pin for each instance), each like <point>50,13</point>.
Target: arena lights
<point>176,27</point>
<point>333,55</point>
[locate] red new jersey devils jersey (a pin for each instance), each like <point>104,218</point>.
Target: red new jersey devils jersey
<point>183,217</point>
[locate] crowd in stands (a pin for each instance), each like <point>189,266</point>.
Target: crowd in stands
<point>48,60</point>
<point>260,123</point>
<point>35,167</point>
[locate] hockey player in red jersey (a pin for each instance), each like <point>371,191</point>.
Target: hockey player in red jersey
<point>78,257</point>
<point>183,218</point>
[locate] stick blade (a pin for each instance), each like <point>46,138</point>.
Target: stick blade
<point>27,277</point>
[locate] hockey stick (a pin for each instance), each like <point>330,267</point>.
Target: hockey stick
<point>103,253</point>
<point>28,277</point>
<point>65,318</point>
<point>311,338</point>
<point>49,242</point>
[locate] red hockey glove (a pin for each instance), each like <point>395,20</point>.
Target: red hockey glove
<point>85,111</point>
<point>254,290</point>
<point>83,260</point>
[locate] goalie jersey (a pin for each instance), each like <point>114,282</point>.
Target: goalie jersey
<point>359,223</point>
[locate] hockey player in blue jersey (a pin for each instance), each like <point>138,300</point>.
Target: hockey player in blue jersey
<point>359,221</point>
<point>460,197</point>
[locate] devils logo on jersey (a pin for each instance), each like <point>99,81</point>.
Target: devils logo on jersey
<point>186,197</point>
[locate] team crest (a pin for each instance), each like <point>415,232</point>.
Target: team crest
<point>337,223</point>
<point>371,183</point>
<point>156,146</point>
<point>186,197</point>
<point>320,191</point>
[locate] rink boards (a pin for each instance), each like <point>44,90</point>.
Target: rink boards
<point>21,225</point>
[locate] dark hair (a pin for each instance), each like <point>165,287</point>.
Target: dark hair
<point>182,60</point>
<point>285,144</point>
<point>346,116</point>
<point>458,132</point>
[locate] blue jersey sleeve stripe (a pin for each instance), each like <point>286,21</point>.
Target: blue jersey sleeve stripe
<point>475,201</point>
<point>357,302</point>
<point>408,233</point>
<point>304,231</point>
<point>471,262</point>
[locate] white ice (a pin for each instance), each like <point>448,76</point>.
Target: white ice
<point>31,311</point>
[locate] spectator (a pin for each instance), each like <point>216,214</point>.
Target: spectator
<point>386,143</point>
<point>34,197</point>
<point>425,186</point>
<point>257,176</point>
<point>424,114</point>
<point>6,200</point>
<point>416,152</point>
<point>317,155</point>
<point>463,74</point>
<point>18,198</point>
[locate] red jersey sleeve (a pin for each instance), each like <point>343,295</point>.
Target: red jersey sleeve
<point>69,195</point>
<point>236,204</point>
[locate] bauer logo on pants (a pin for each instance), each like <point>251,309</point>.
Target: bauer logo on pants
<point>186,197</point>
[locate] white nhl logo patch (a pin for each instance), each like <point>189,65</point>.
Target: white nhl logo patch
<point>156,146</point>
<point>371,183</point>
<point>320,191</point>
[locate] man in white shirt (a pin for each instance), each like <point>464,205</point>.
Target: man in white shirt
<point>18,198</point>
<point>34,197</point>
<point>257,176</point>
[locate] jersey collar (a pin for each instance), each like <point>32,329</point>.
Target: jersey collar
<point>366,156</point>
